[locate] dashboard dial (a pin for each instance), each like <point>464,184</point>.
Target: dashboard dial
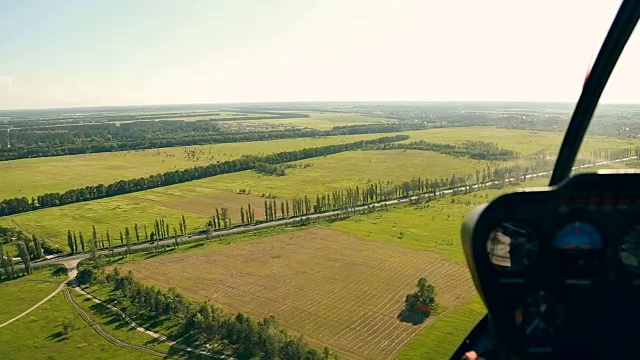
<point>629,249</point>
<point>579,235</point>
<point>512,247</point>
<point>539,316</point>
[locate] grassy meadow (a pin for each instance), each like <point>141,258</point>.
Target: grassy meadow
<point>31,177</point>
<point>39,335</point>
<point>442,338</point>
<point>22,293</point>
<point>326,120</point>
<point>523,141</point>
<point>198,199</point>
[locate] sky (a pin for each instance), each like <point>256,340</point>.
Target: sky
<point>126,52</point>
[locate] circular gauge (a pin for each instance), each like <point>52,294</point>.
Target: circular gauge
<point>579,235</point>
<point>539,316</point>
<point>629,249</point>
<point>512,247</point>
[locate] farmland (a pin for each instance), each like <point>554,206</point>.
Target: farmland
<point>31,177</point>
<point>338,290</point>
<point>523,141</point>
<point>323,121</point>
<point>198,199</point>
<point>340,282</point>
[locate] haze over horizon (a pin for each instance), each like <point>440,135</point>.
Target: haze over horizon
<point>116,53</point>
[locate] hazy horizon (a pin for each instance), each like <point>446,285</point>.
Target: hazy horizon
<point>381,102</point>
<point>150,53</point>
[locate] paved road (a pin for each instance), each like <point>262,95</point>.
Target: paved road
<point>71,260</point>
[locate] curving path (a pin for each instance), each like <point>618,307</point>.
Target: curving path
<point>35,306</point>
<point>155,335</point>
<point>98,329</point>
<point>71,266</point>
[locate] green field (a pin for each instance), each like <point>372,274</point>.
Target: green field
<point>523,141</point>
<point>20,294</point>
<point>433,226</point>
<point>31,177</point>
<point>197,200</point>
<point>39,335</point>
<point>442,338</point>
<point>324,121</point>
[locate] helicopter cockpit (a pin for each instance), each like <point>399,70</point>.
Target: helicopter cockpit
<point>558,267</point>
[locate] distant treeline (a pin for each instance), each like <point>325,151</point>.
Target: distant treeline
<point>478,150</point>
<point>42,119</point>
<point>23,204</point>
<point>108,137</point>
<point>610,120</point>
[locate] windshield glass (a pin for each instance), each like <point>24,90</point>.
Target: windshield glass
<point>612,140</point>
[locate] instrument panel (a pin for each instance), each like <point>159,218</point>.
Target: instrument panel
<point>559,267</point>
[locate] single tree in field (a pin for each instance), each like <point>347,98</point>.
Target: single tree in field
<point>146,235</point>
<point>23,253</point>
<point>218,218</point>
<point>121,238</point>
<point>282,209</point>
<point>184,225</point>
<point>241,215</point>
<point>424,298</point>
<point>68,325</point>
<point>420,303</point>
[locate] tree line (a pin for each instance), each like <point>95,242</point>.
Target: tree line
<point>127,237</point>
<point>478,150</point>
<point>19,143</point>
<point>300,206</point>
<point>494,175</point>
<point>23,204</point>
<point>204,323</point>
